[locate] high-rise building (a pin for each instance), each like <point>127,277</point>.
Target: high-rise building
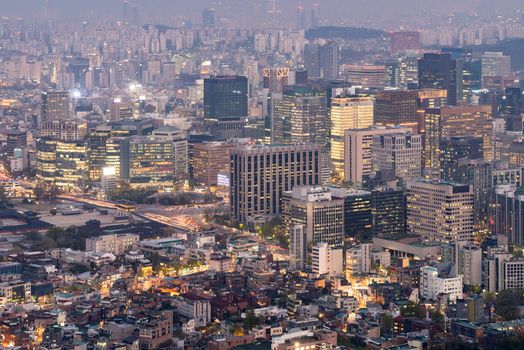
<point>275,79</point>
<point>388,209</point>
<point>63,130</point>
<point>55,106</point>
<point>97,150</point>
<point>208,18</point>
<point>358,259</point>
<point>260,176</point>
<point>121,110</point>
<point>63,163</point>
<point>495,64</point>
<point>322,61</point>
<point>352,112</point>
<point>438,211</point>
<point>319,213</point>
<point>225,96</point>
<point>439,71</point>
<point>210,159</point>
<point>297,247</point>
<point>453,149</point>
<point>401,154</point>
<point>301,18</point>
<point>402,73</point>
<point>506,213</point>
<point>367,76</point>
<point>466,259</point>
<point>358,156</point>
<point>16,138</point>
<point>301,117</point>
<point>146,162</point>
<point>326,259</point>
<point>475,121</point>
<point>396,107</point>
<point>180,149</point>
<point>357,211</point>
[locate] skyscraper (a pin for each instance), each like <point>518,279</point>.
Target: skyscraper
<point>439,211</point>
<point>301,18</point>
<point>208,18</point>
<point>439,71</point>
<point>357,211</point>
<point>495,64</point>
<point>260,175</point>
<point>358,156</point>
<point>322,61</point>
<point>297,247</point>
<point>401,154</point>
<point>321,215</point>
<point>388,209</point>
<point>352,112</point>
<point>396,107</point>
<point>301,117</point>
<point>16,138</point>
<point>452,149</point>
<point>225,96</point>
<point>367,76</point>
<point>55,106</point>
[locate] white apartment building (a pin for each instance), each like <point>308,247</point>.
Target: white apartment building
<point>116,244</point>
<point>327,260</point>
<point>431,285</point>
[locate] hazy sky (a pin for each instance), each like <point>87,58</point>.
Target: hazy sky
<point>330,9</point>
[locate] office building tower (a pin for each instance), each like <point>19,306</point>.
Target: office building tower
<point>322,61</point>
<point>225,96</point>
<point>474,121</point>
<point>329,61</point>
<point>400,154</point>
<point>388,210</point>
<point>63,130</point>
<point>208,18</point>
<point>326,260</point>
<point>146,162</point>
<point>367,76</point>
<point>275,79</point>
<point>477,173</point>
<point>466,259</point>
<point>471,79</point>
<point>297,248</point>
<point>512,104</point>
<point>211,159</point>
<point>432,284</point>
<point>352,112</point>
<point>63,163</point>
<point>15,139</point>
<point>97,150</point>
<point>301,117</point>
<point>357,211</point>
<point>453,149</point>
<point>502,271</point>
<point>301,18</point>
<point>438,211</point>
<point>108,180</point>
<point>506,213</point>
<point>312,60</point>
<point>358,259</point>
<point>121,110</point>
<point>180,149</point>
<point>358,156</point>
<point>260,175</point>
<point>395,107</point>
<point>315,16</point>
<point>402,73</point>
<point>402,41</point>
<point>495,64</point>
<point>319,213</point>
<point>55,106</point>
<point>439,71</point>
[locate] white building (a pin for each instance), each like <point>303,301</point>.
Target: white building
<point>195,308</point>
<point>297,247</point>
<point>327,260</point>
<point>358,259</point>
<point>431,285</point>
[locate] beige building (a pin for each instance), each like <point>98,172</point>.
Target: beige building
<point>399,153</point>
<point>353,112</point>
<point>209,160</point>
<point>358,156</point>
<point>115,244</point>
<point>439,211</point>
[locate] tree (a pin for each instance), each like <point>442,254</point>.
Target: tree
<point>506,304</point>
<point>251,320</point>
<point>387,323</point>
